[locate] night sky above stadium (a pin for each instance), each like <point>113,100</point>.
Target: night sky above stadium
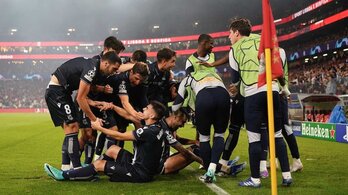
<point>92,20</point>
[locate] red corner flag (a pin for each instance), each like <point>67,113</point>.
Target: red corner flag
<point>269,40</point>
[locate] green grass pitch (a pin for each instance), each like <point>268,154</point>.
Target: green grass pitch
<point>29,140</point>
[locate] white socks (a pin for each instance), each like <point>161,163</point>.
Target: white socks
<point>212,166</point>
<point>286,175</point>
<point>263,165</point>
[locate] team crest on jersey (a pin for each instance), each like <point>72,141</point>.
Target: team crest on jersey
<point>90,74</point>
<point>139,132</point>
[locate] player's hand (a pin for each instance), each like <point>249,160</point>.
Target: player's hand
<point>204,63</point>
<point>108,89</point>
<point>196,142</point>
<point>139,116</point>
<point>105,106</point>
<point>233,90</point>
<point>97,124</point>
<point>173,91</point>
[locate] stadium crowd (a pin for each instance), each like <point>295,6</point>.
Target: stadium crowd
<point>22,93</point>
<point>304,77</point>
<point>324,75</point>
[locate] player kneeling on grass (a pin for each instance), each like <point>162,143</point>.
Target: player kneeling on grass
<point>116,162</point>
<point>185,156</point>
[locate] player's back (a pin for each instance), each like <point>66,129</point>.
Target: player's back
<point>70,72</point>
<point>148,148</point>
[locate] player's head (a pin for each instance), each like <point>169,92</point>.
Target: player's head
<point>167,58</point>
<point>206,42</point>
<point>178,119</point>
<point>109,63</point>
<point>113,44</point>
<point>239,28</point>
<point>155,111</point>
<point>139,73</point>
<point>139,56</point>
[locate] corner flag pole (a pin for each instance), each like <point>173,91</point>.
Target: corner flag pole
<point>271,121</point>
<point>269,45</point>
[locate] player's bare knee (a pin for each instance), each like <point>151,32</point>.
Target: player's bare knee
<point>113,151</point>
<point>71,128</point>
<point>99,165</point>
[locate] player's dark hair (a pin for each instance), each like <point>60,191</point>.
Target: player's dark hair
<point>115,44</point>
<point>165,54</point>
<point>242,25</point>
<point>159,108</point>
<point>142,69</point>
<point>204,37</point>
<point>181,113</point>
<point>111,57</point>
<point>139,56</point>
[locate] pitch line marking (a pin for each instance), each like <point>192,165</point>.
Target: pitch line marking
<point>213,187</point>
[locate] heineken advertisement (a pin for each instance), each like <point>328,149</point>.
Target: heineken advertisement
<point>319,131</point>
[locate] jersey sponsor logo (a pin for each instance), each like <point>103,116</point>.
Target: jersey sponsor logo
<point>90,74</point>
<point>139,132</point>
<point>122,87</point>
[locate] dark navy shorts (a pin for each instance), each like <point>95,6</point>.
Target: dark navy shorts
<point>60,105</point>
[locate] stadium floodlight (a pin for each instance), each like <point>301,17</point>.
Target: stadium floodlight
<point>71,29</point>
<point>196,23</point>
<point>277,20</point>
<point>86,44</point>
<point>13,30</point>
<point>334,52</point>
<point>325,54</point>
<point>156,27</point>
<point>346,49</point>
<point>315,57</point>
<point>114,29</point>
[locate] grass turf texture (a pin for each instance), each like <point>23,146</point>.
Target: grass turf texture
<point>30,140</point>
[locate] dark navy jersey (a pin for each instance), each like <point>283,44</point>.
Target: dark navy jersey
<point>71,72</point>
<point>121,86</point>
<point>98,57</point>
<point>169,140</point>
<point>148,148</point>
<point>158,84</point>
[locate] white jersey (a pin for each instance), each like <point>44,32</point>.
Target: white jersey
<point>196,86</point>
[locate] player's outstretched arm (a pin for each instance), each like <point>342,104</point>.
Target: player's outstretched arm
<point>187,153</point>
<point>82,100</point>
<point>126,136</point>
<point>125,67</point>
<point>186,141</point>
<point>218,62</point>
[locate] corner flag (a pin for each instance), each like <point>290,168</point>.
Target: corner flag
<point>269,40</point>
